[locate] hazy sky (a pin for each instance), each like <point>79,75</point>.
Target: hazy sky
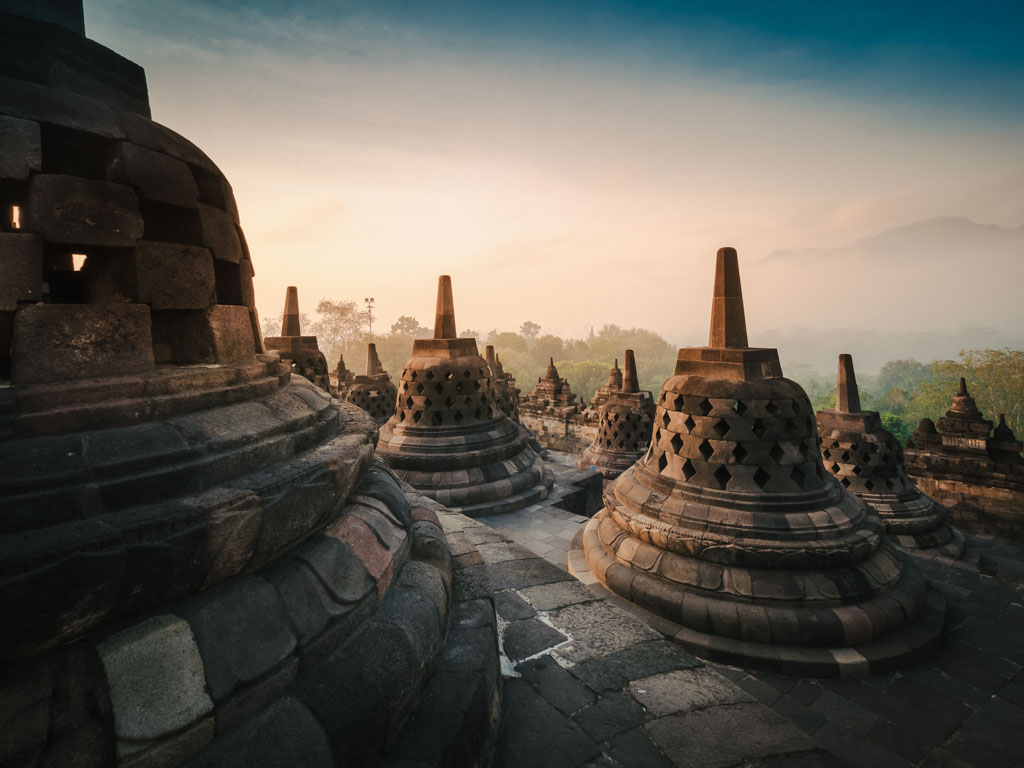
<point>580,162</point>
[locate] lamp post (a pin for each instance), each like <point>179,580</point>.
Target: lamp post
<point>369,314</point>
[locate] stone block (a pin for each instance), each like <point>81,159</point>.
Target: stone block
<point>25,711</point>
<point>285,733</point>
<point>156,681</point>
<point>682,690</point>
<point>220,334</point>
<point>525,638</point>
<point>726,736</point>
<point>21,269</point>
<point>59,107</point>
<point>219,233</point>
<point>22,149</point>
<point>155,175</point>
<point>173,276</point>
<point>68,209</point>
<point>242,633</point>
<point>57,342</point>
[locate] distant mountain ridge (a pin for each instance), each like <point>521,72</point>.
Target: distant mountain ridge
<point>923,290</point>
<point>943,234</point>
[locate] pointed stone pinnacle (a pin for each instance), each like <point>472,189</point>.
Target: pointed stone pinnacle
<point>444,317</point>
<point>728,324</point>
<point>630,383</point>
<point>373,366</point>
<point>290,320</point>
<point>551,373</point>
<point>963,387</point>
<point>492,359</point>
<point>847,394</point>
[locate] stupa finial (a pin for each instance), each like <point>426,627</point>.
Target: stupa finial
<point>847,394</point>
<point>630,383</point>
<point>728,324</point>
<point>962,391</point>
<point>290,321</point>
<point>444,318</point>
<point>492,359</point>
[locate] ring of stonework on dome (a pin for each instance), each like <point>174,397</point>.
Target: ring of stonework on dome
<point>752,551</point>
<point>441,457</point>
<point>864,579</point>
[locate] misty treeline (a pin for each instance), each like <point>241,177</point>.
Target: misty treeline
<point>906,391</point>
<point>903,391</point>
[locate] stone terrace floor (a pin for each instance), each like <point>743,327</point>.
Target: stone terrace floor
<point>964,707</point>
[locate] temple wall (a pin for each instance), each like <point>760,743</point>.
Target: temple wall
<point>558,429</point>
<point>975,497</point>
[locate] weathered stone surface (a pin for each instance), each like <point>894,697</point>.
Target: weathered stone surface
<point>242,633</point>
<point>68,209</point>
<point>220,334</point>
<point>173,276</point>
<point>528,637</point>
<point>57,342</point>
<point>219,233</point>
<point>22,152</point>
<point>685,689</point>
<point>156,679</point>
<point>155,175</point>
<point>25,711</point>
<point>541,735</point>
<point>557,685</point>
<point>727,735</point>
<point>284,733</point>
<point>597,629</point>
<point>21,270</point>
<point>614,670</point>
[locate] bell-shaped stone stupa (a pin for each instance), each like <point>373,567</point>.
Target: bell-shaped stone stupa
<point>302,352</point>
<point>732,532</point>
<point>868,460</point>
<point>342,376</point>
<point>614,384</point>
<point>448,438</point>
<point>373,392</point>
<point>625,423</point>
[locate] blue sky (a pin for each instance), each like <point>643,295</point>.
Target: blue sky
<point>502,140</point>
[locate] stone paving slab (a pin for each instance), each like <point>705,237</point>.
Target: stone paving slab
<point>587,685</point>
<point>963,708</point>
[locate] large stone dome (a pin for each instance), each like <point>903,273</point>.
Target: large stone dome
<point>195,545</point>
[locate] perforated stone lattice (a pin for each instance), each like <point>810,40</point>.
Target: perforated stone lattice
<point>867,466</point>
<point>445,396</point>
<point>377,398</point>
<point>625,430</point>
<point>749,445</point>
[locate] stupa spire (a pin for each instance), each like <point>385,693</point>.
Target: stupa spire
<point>492,359</point>
<point>630,383</point>
<point>290,321</point>
<point>373,366</point>
<point>847,394</point>
<point>728,323</point>
<point>444,317</point>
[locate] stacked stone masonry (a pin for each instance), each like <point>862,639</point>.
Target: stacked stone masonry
<point>974,471</point>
